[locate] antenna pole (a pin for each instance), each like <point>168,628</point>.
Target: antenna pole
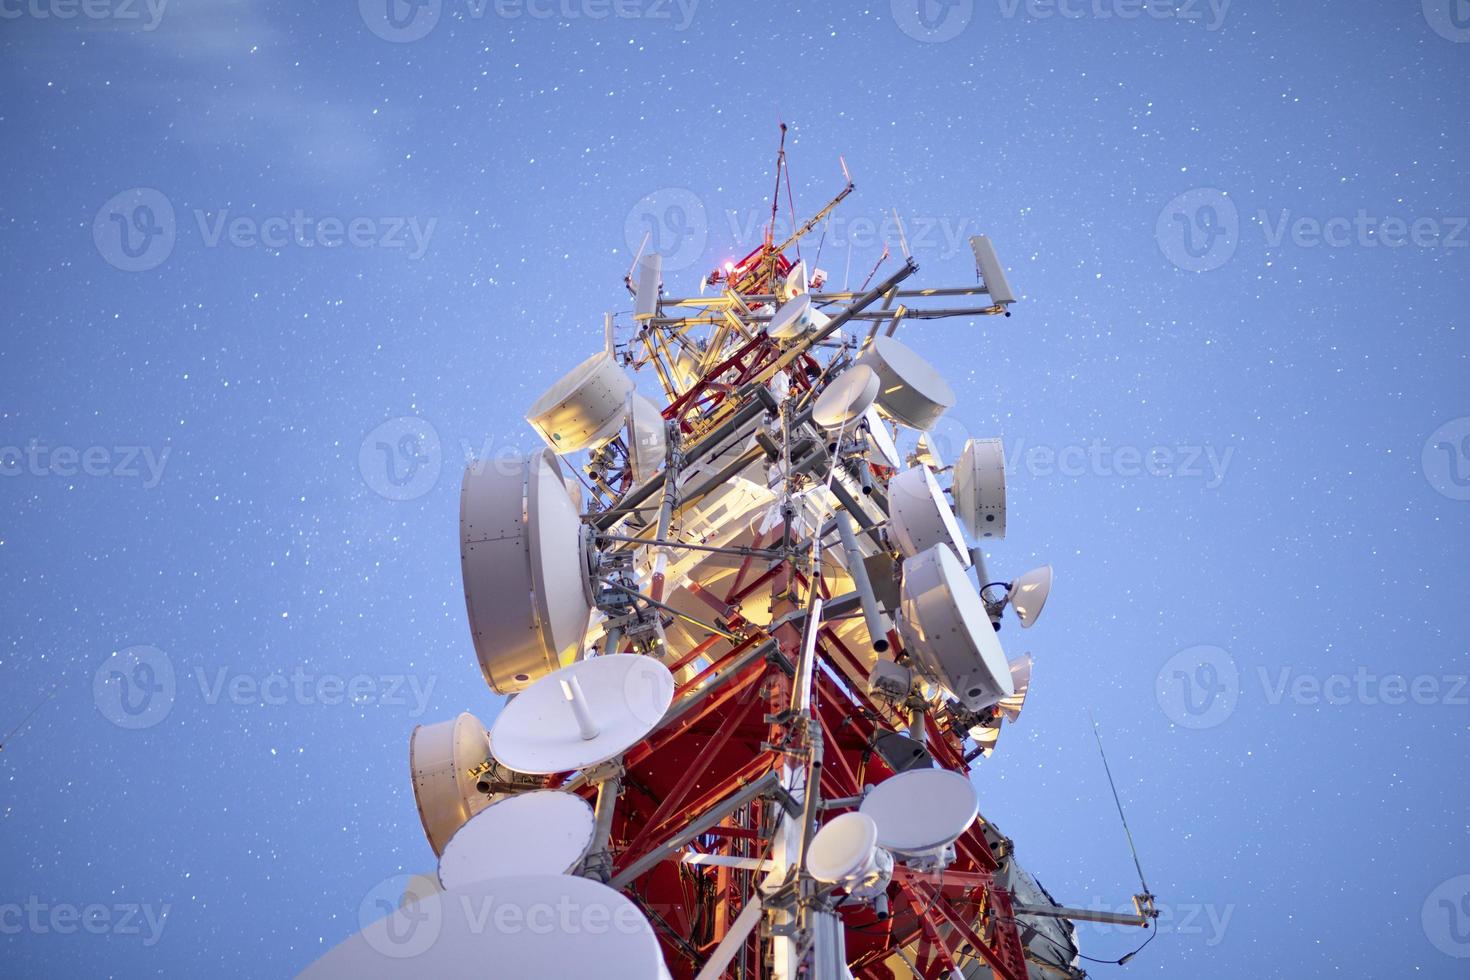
<point>1097,734</point>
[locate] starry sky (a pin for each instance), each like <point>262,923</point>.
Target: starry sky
<point>274,270</point>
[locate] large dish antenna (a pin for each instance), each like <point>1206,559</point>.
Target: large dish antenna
<point>912,392</point>
<point>525,926</point>
<point>980,488</point>
<point>846,398</point>
<point>526,580</point>
<point>845,852</point>
<point>795,317</point>
<point>583,714</point>
<point>540,832</point>
<point>442,758</point>
<point>947,632</point>
<point>585,408</point>
<point>921,812</point>
<point>919,517</point>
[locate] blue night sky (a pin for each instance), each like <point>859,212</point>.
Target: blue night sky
<point>1234,393</point>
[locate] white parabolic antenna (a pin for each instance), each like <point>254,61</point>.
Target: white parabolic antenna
<point>1028,594</point>
<point>980,488</point>
<point>647,442</point>
<point>795,317</point>
<point>846,398</point>
<point>845,852</point>
<point>440,759</point>
<point>584,409</point>
<point>882,440</point>
<point>946,631</point>
<point>583,714</point>
<point>526,583</point>
<point>524,926</point>
<point>921,811</point>
<point>911,391</point>
<point>919,516</point>
<point>540,832</point>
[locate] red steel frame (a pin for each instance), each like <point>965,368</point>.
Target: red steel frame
<point>726,742</point>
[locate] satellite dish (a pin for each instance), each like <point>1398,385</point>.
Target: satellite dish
<point>919,517</point>
<point>541,832</point>
<point>796,317</point>
<point>912,392</point>
<point>1007,709</point>
<point>882,440</point>
<point>583,714</point>
<point>980,488</point>
<point>795,282</point>
<point>526,583</point>
<point>1028,594</point>
<point>921,812</point>
<point>520,926</point>
<point>927,454</point>
<point>846,398</point>
<point>647,442</point>
<point>1010,706</point>
<point>584,409</point>
<point>845,852</point>
<point>441,759</point>
<point>946,630</point>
